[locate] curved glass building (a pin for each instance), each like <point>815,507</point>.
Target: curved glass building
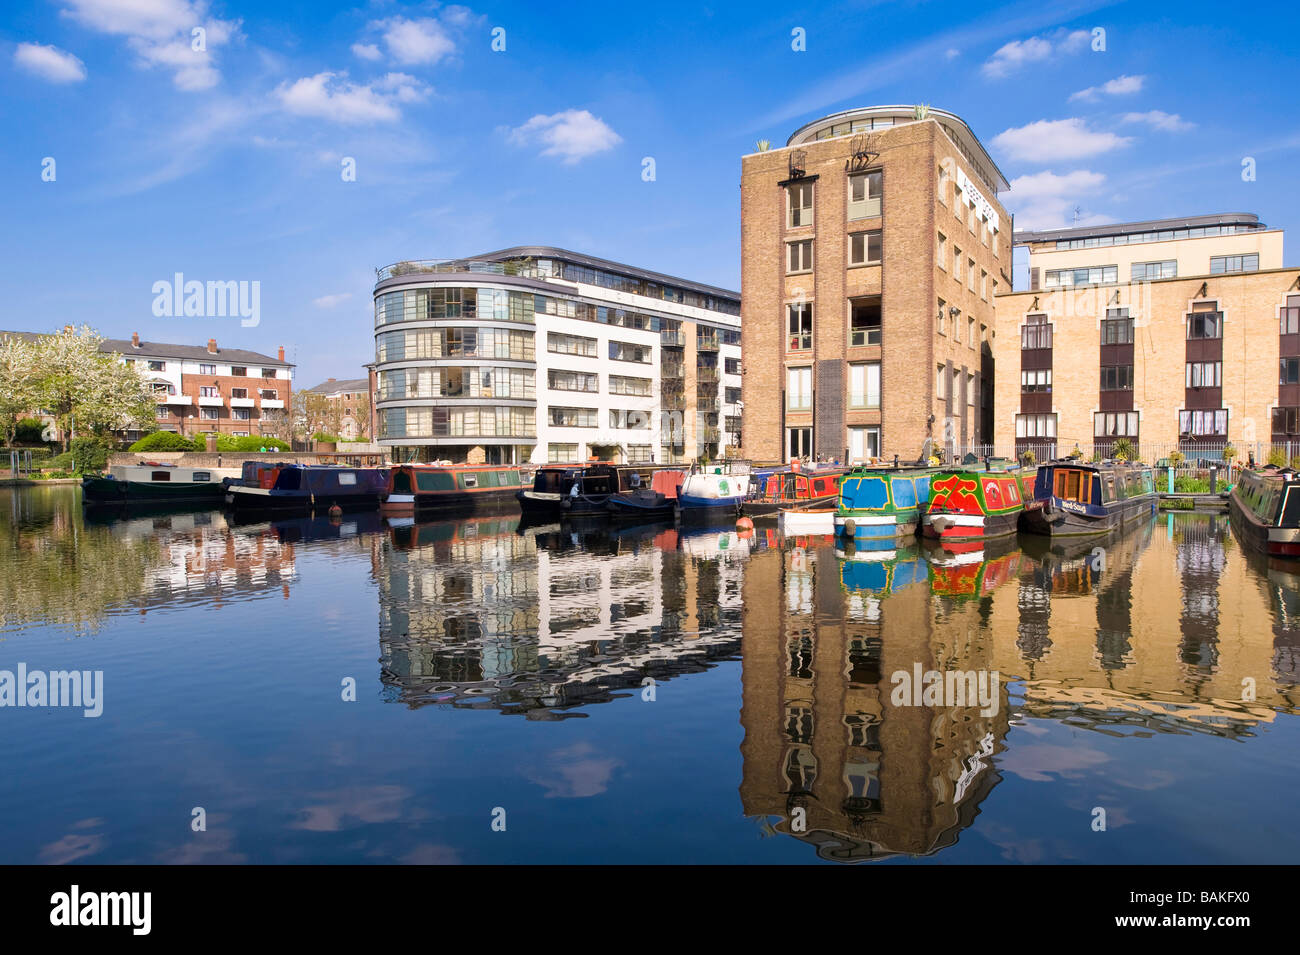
<point>537,354</point>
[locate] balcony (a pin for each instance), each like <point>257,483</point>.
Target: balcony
<point>272,403</point>
<point>524,267</point>
<point>673,338</point>
<point>672,369</point>
<point>706,342</point>
<point>706,402</point>
<point>211,401</point>
<point>673,402</point>
<point>241,402</point>
<point>710,435</point>
<point>707,375</point>
<point>174,399</point>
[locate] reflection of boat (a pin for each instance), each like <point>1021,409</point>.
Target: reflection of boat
<point>974,574</point>
<point>716,543</point>
<point>1076,499</point>
<point>791,487</point>
<point>968,505</point>
<point>156,483</point>
<point>658,500</point>
<point>317,527</point>
<point>305,486</point>
<point>463,488</point>
<point>718,488</point>
<point>1266,511</point>
<point>881,503</point>
<point>881,571</point>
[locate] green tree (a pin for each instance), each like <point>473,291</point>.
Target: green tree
<point>18,384</point>
<point>82,386</point>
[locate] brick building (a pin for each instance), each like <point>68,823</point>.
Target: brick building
<point>872,246</point>
<point>1175,334</point>
<point>353,401</point>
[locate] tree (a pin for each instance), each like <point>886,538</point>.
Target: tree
<point>319,413</point>
<point>97,391</point>
<point>18,378</point>
<point>362,416</point>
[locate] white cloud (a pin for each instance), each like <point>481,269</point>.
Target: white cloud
<point>333,96</point>
<point>367,51</point>
<point>572,135</point>
<point>1012,56</point>
<point>1048,140</point>
<point>1046,200</point>
<point>329,301</point>
<point>1158,119</point>
<point>1119,86</point>
<point>161,33</point>
<point>951,53</point>
<point>50,63</point>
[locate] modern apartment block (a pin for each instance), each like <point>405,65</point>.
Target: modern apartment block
<point>1174,334</point>
<point>537,354</point>
<point>203,389</point>
<point>872,248</point>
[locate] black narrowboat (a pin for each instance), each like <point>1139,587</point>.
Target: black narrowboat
<point>1265,510</point>
<point>1075,498</point>
<point>575,490</point>
<point>306,486</point>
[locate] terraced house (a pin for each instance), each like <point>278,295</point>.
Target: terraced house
<point>538,354</point>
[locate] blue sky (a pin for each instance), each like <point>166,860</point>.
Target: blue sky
<point>226,163</point>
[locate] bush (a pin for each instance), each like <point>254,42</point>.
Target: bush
<point>322,436</point>
<point>1176,459</point>
<point>1277,458</point>
<point>1124,450</point>
<point>30,431</point>
<point>1186,484</point>
<point>254,443</point>
<point>165,441</point>
<point>91,453</point>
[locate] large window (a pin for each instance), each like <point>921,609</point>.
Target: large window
<point>1204,324</point>
<point>621,385</point>
<point>864,443</point>
<point>561,453</point>
<point>1291,315</point>
<point>800,200</point>
<point>625,351</point>
<point>573,417</point>
<point>798,389</point>
<point>731,366</point>
<point>1036,332</point>
<point>864,248</point>
<point>799,326</point>
<point>1116,330</point>
<point>864,325</point>
<point>941,382</point>
<point>864,384</point>
<point>570,344</point>
<point>1234,263</point>
<point>1286,421</point>
<point>1094,275</point>
<point>800,256</point>
<point>628,418</point>
<point>1036,381</point>
<point>1205,374</point>
<point>1122,424</point>
<point>1117,378</point>
<point>1166,269</point>
<point>864,195</point>
<point>1035,426</point>
<point>1203,423</point>
<point>1290,372</point>
<point>798,442</point>
<point>560,379</point>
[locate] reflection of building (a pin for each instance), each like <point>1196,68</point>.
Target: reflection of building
<point>474,614</point>
<point>540,354</point>
<point>821,732</point>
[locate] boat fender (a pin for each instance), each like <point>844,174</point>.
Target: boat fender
<point>336,511</point>
<point>850,527</point>
<point>744,524</point>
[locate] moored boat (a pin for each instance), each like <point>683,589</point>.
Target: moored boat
<point>771,492</point>
<point>574,490</point>
<point>791,521</point>
<point>306,486</point>
<point>1265,510</point>
<point>968,506</point>
<point>655,501</point>
<point>713,490</point>
<point>881,503</point>
<point>156,483</point>
<point>1074,498</point>
<point>451,487</point>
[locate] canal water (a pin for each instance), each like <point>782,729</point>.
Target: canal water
<point>475,691</point>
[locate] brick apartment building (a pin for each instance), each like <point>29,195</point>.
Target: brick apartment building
<point>353,400</point>
<point>872,247</point>
<point>1175,334</point>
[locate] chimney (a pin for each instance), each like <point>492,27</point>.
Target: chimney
<point>212,346</point>
<point>135,339</point>
<point>281,353</point>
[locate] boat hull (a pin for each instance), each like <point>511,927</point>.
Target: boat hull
<point>108,491</point>
<point>875,526</point>
<point>462,502</point>
<point>1261,537</point>
<point>968,528</point>
<point>691,506</point>
<point>1055,518</point>
<point>815,521</point>
<point>274,499</point>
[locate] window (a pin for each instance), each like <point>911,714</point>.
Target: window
<point>163,413</point>
<point>970,332</point>
<point>1145,271</point>
<point>238,371</point>
<point>984,285</point>
<point>800,326</point>
<point>941,322</point>
<point>1291,315</point>
<point>210,414</point>
<point>800,258</point>
<point>628,418</point>
<point>561,453</point>
<point>864,195</point>
<point>563,380</point>
<point>1204,324</point>
<point>1035,426</point>
<point>157,366</point>
<point>209,391</point>
<point>941,382</point>
<point>956,263</point>
<point>1036,381</point>
<point>864,443</point>
<point>269,394</point>
<point>207,369</point>
<point>1122,424</point>
<point>242,414</point>
<point>798,442</point>
<point>731,395</point>
<point>864,248</point>
<point>268,372</point>
<point>1036,332</point>
<point>570,345</point>
<point>800,199</point>
<point>1286,421</point>
<point>1290,372</point>
<point>1117,378</point>
<point>941,185</point>
<point>239,392</point>
<point>1203,423</point>
<point>639,454</point>
<point>970,274</point>
<point>619,385</point>
<point>731,366</point>
<point>954,316</point>
<point>1117,328</point>
<point>943,252</point>
<point>1234,263</point>
<point>864,385</point>
<point>864,325</point>
<point>573,417</point>
<point>1096,275</point>
<point>1205,374</point>
<point>798,389</point>
<point>970,389</point>
<point>624,351</point>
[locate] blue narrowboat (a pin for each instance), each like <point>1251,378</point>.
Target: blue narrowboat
<point>1074,498</point>
<point>306,486</point>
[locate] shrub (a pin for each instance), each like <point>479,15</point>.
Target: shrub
<point>1028,458</point>
<point>1124,450</point>
<point>30,431</point>
<point>1186,484</point>
<point>1277,458</point>
<point>322,436</point>
<point>164,441</point>
<point>254,443</point>
<point>1176,459</point>
<point>91,453</point>
<point>1229,452</point>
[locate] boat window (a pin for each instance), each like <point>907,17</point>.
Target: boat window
<point>347,477</point>
<point>201,476</point>
<point>434,481</point>
<point>1108,491</point>
<point>161,476</point>
<point>471,480</point>
<point>402,482</point>
<point>904,492</point>
<point>868,492</point>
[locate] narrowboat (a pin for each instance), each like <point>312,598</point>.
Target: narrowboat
<point>460,487</point>
<point>881,503</point>
<point>575,490</point>
<point>655,501</point>
<point>818,521</point>
<point>306,486</point>
<point>1074,498</point>
<point>967,506</point>
<point>1265,510</point>
<point>773,491</point>
<point>713,490</point>
<point>156,483</point>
